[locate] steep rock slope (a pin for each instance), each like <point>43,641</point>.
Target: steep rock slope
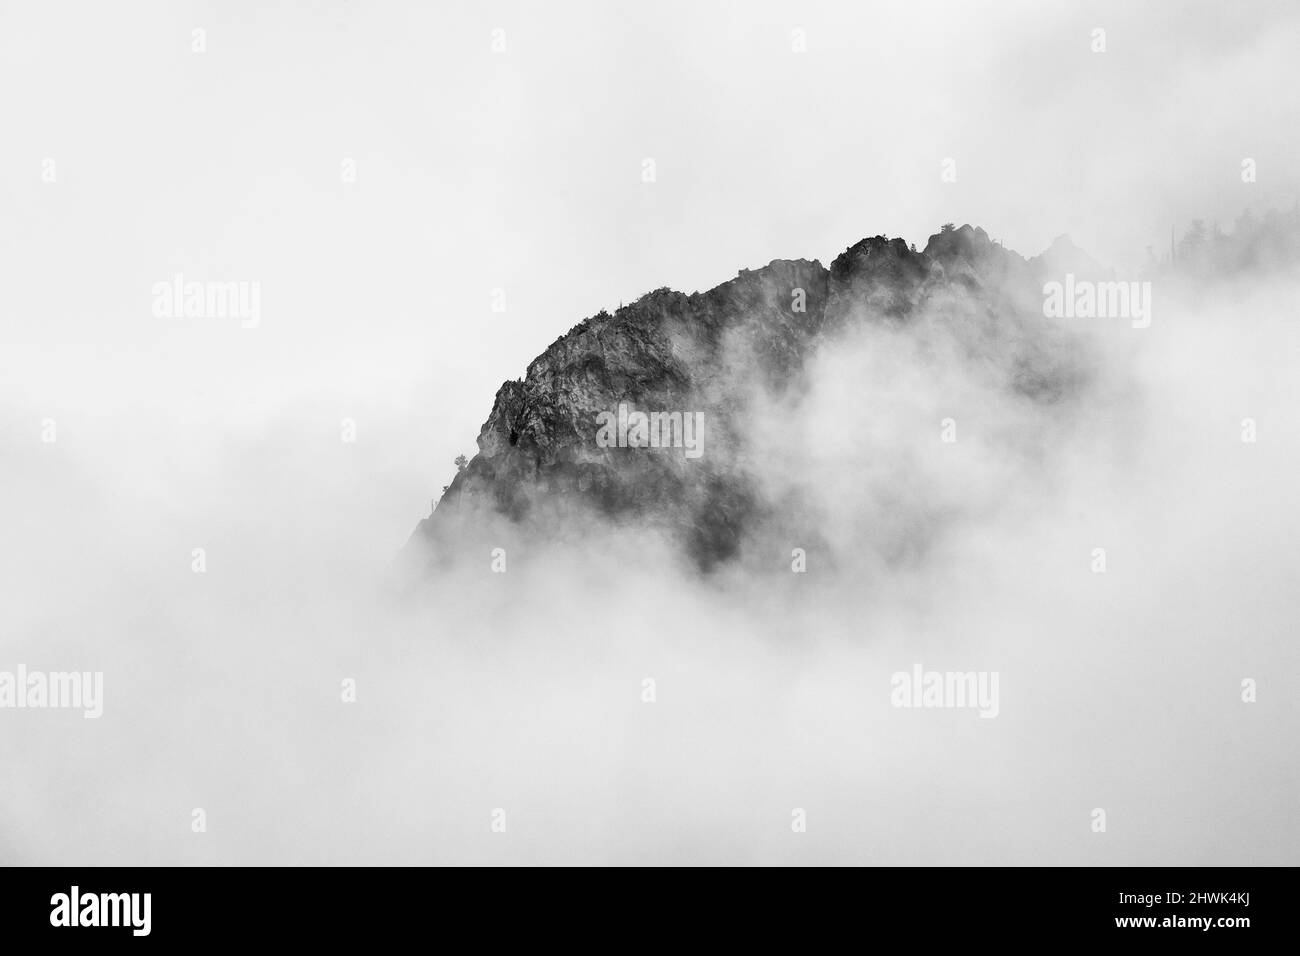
<point>541,465</point>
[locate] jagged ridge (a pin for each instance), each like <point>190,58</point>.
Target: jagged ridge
<point>539,462</point>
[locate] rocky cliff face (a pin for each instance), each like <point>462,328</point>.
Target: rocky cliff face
<point>724,355</point>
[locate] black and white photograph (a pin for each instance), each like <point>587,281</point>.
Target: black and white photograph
<point>576,434</point>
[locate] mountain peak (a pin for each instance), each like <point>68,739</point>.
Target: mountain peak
<point>753,340</point>
<point>1064,257</point>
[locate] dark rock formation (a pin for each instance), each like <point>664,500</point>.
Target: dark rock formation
<point>540,467</point>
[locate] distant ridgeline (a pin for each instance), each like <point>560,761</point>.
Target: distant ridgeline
<point>1265,243</point>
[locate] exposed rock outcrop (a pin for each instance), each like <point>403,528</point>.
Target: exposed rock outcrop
<point>540,462</point>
